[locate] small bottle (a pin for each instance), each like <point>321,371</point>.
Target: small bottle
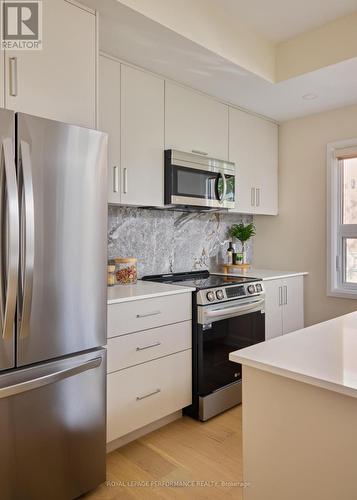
<point>234,255</point>
<point>111,275</point>
<point>230,251</point>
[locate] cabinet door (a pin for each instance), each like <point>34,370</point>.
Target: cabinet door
<point>266,167</point>
<point>142,137</point>
<point>195,122</point>
<point>253,147</point>
<point>293,309</point>
<point>2,80</point>
<point>141,394</point>
<point>59,81</point>
<point>242,144</point>
<point>273,308</point>
<point>109,121</point>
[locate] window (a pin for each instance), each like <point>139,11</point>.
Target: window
<point>342,218</point>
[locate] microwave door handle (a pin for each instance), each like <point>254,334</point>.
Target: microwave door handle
<point>28,236</point>
<point>9,238</point>
<point>216,314</point>
<point>224,193</point>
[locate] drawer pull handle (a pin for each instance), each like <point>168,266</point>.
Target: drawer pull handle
<point>145,315</point>
<point>198,152</point>
<point>139,398</point>
<point>148,346</point>
<point>13,76</point>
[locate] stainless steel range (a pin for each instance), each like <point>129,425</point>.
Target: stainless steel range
<point>228,314</point>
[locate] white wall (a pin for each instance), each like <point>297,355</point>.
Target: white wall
<point>296,238</point>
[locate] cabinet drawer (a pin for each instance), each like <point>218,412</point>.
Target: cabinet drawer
<point>136,348</point>
<point>142,394</point>
<point>128,317</point>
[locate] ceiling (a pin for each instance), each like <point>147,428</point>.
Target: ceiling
<point>133,37</point>
<point>280,20</point>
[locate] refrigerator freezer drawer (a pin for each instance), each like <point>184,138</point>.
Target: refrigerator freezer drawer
<point>52,429</point>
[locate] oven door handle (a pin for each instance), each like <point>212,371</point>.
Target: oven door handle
<point>217,314</point>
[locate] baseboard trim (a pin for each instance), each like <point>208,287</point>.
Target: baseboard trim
<point>122,441</point>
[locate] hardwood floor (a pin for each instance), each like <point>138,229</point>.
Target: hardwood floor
<point>183,451</point>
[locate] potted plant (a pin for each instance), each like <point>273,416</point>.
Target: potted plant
<point>242,232</point>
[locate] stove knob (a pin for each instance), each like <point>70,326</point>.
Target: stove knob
<point>259,287</point>
<point>251,289</point>
<point>210,296</point>
<point>220,294</point>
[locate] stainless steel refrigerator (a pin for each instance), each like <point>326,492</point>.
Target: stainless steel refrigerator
<point>53,216</point>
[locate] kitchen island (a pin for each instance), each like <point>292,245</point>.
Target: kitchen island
<point>300,413</point>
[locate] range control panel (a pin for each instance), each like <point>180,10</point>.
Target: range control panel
<point>214,295</point>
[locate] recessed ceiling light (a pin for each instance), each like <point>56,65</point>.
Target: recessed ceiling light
<point>309,97</point>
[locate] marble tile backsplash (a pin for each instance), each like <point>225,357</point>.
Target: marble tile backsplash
<point>166,241</point>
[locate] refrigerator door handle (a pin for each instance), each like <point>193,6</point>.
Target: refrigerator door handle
<point>9,239</point>
<point>28,238</point>
<point>51,378</point>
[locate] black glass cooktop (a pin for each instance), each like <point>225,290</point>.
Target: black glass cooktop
<point>199,279</point>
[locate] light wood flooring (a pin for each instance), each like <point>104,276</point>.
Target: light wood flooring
<point>184,450</point>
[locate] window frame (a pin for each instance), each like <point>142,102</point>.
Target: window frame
<point>336,232</point>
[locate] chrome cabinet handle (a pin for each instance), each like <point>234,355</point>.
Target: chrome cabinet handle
<point>28,238</point>
<point>125,174</point>
<point>252,197</point>
<point>285,295</point>
<point>198,152</point>
<point>115,179</point>
<point>280,302</point>
<point>156,344</point>
<point>13,76</point>
<point>145,315</point>
<point>9,207</point>
<point>257,196</point>
<point>139,398</point>
<point>51,378</point>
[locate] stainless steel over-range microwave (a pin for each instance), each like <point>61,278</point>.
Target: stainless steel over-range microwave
<point>198,181</point>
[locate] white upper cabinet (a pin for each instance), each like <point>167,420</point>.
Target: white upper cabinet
<point>2,72</point>
<point>253,147</point>
<point>59,81</point>
<point>142,138</point>
<point>109,121</point>
<point>195,123</point>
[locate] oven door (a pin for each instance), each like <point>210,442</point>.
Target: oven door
<point>199,187</point>
<point>223,328</point>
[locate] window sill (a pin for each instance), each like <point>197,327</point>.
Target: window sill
<point>342,293</point>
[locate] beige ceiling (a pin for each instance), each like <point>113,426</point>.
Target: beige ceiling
<point>280,20</point>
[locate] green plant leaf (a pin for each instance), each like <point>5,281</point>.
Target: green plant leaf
<point>242,232</point>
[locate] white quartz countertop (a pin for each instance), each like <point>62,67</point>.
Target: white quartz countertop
<point>143,290</point>
<point>265,274</point>
<point>324,355</point>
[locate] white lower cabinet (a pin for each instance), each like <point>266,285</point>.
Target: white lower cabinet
<point>284,306</point>
<point>137,315</point>
<point>130,350</point>
<point>149,370</point>
<point>139,395</point>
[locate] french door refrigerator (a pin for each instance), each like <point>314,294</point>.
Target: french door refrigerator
<point>53,223</point>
